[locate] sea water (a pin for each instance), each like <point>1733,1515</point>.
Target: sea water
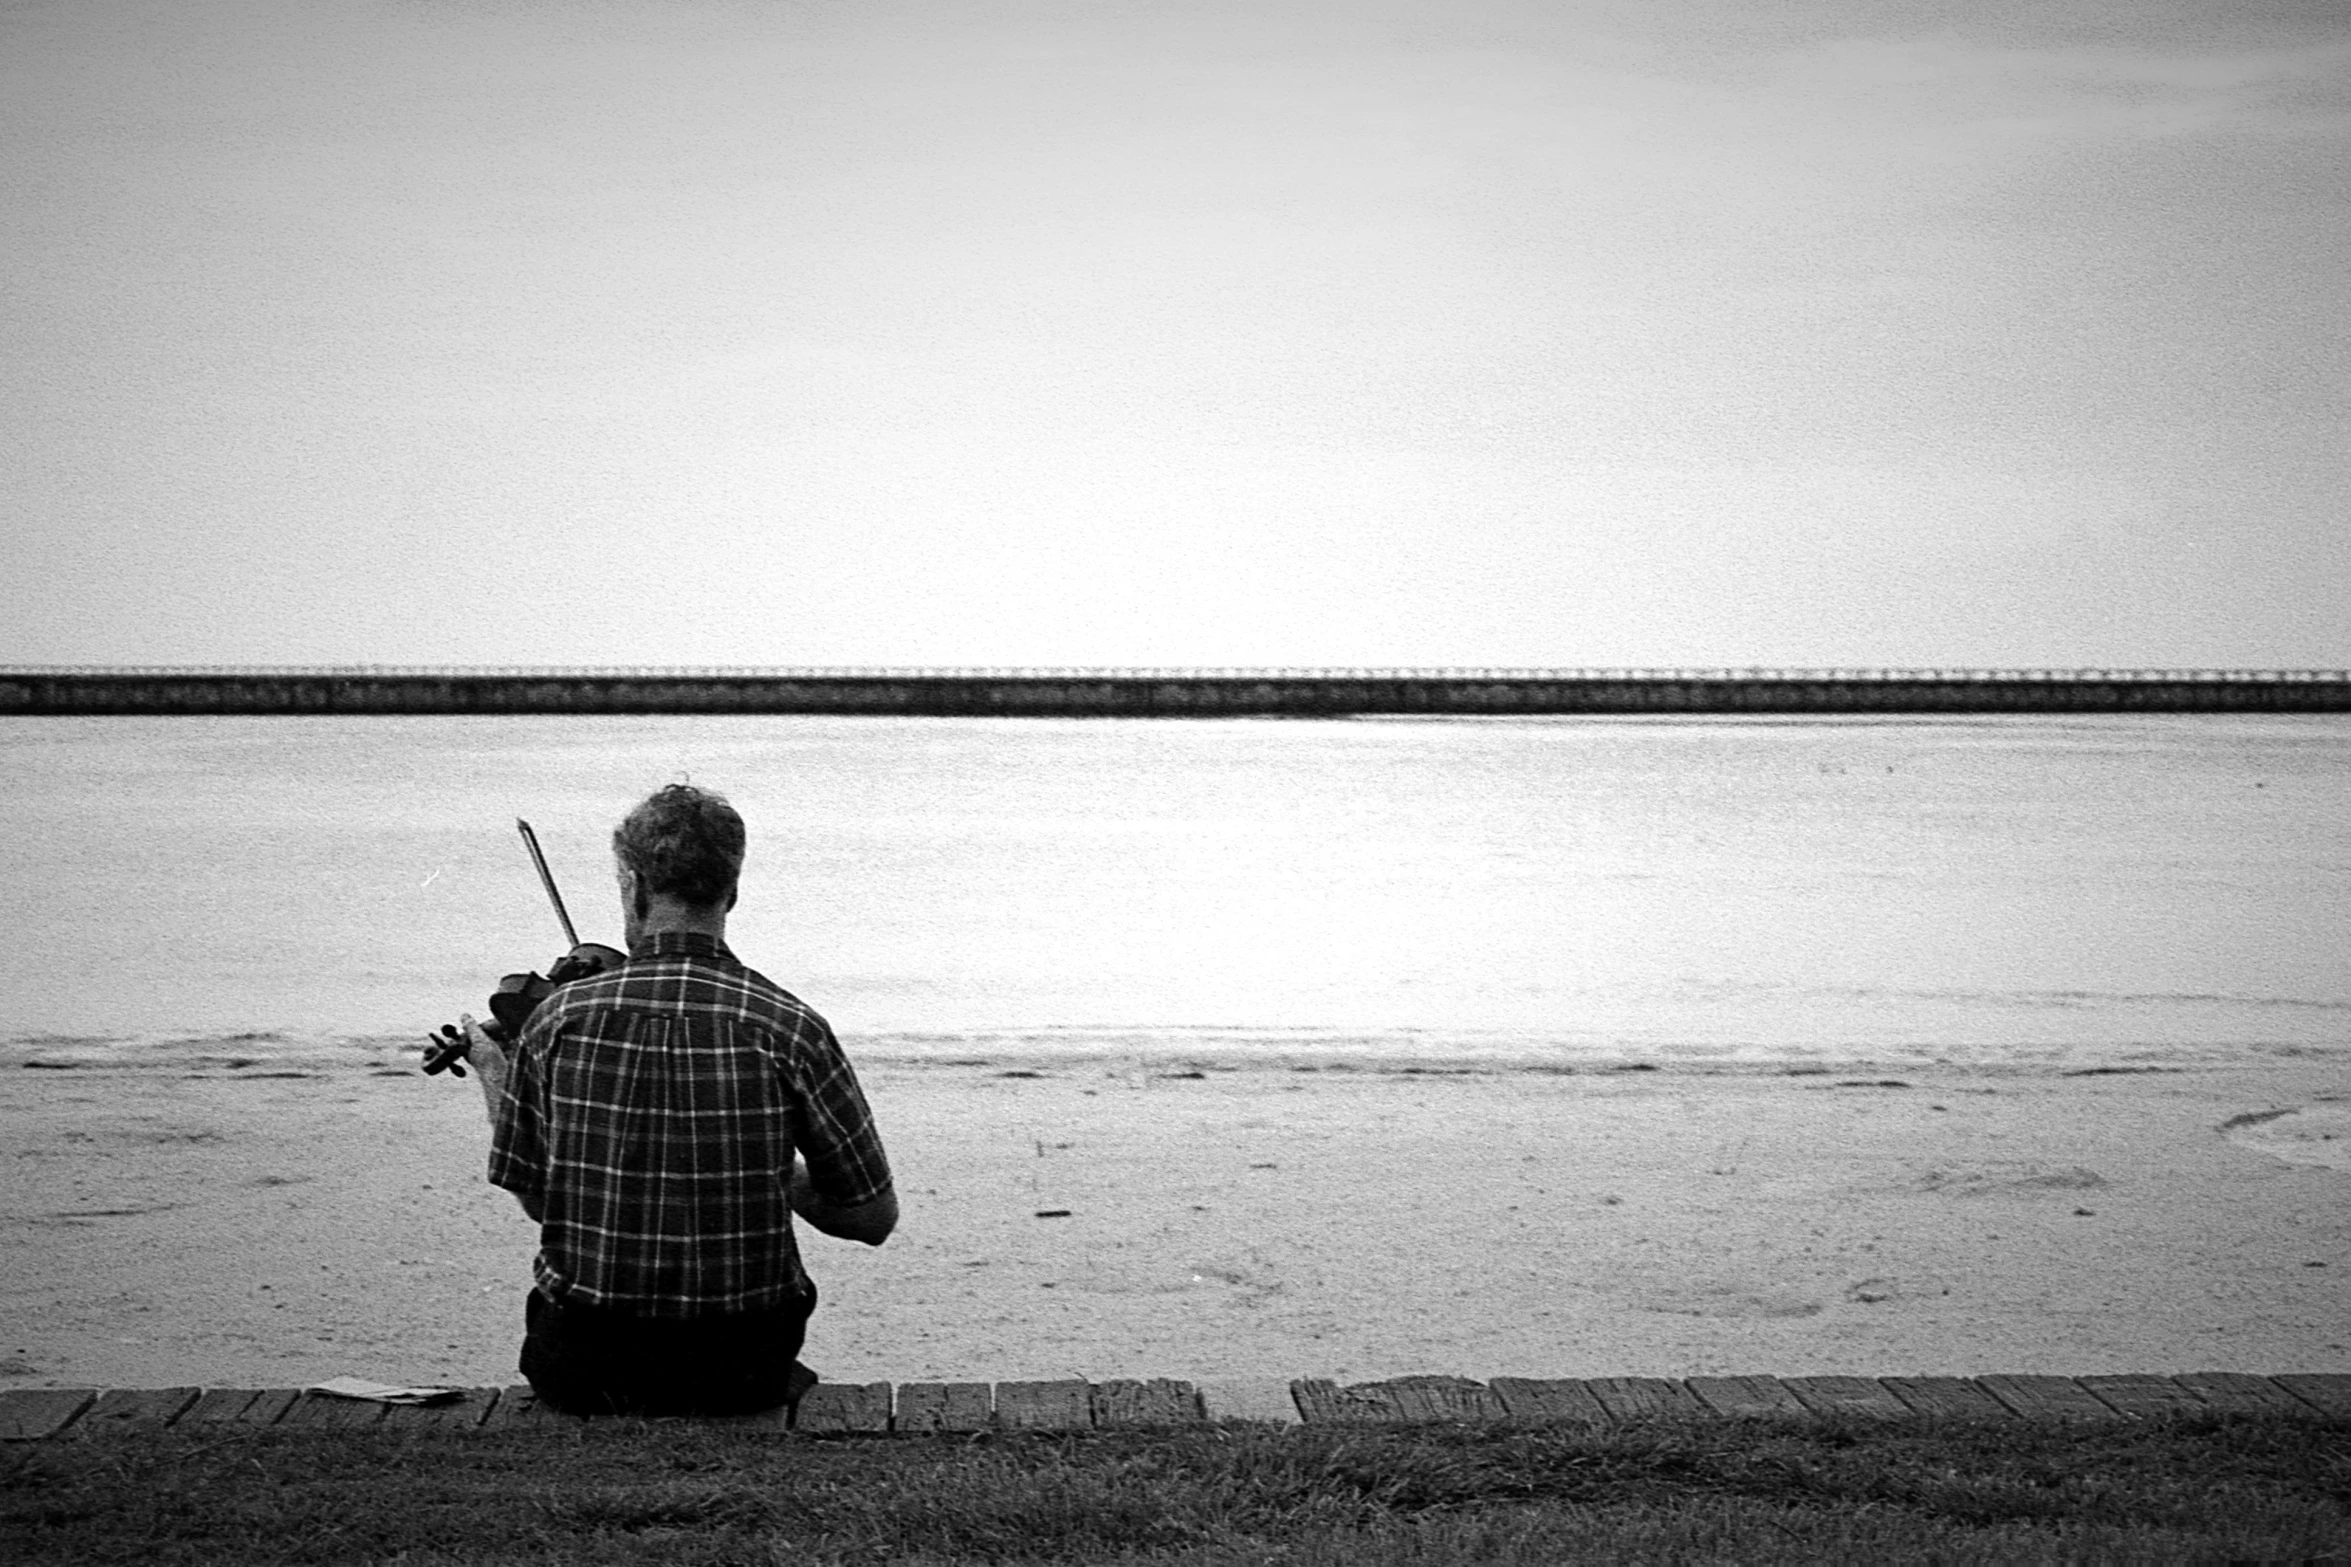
<point>2076,892</point>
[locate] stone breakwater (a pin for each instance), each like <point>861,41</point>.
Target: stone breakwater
<point>1166,693</point>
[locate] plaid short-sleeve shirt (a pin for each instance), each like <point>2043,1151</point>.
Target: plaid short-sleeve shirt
<point>652,1113</point>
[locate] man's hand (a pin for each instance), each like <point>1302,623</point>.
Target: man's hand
<point>870,1222</point>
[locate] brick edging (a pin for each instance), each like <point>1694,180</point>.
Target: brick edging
<point>33,1414</point>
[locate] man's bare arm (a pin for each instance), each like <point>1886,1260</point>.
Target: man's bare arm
<point>488,1062</point>
<point>490,1067</point>
<point>870,1222</point>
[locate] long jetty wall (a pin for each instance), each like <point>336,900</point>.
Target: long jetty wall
<point>1304,693</point>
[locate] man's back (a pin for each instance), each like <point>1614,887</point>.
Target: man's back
<point>650,1121</point>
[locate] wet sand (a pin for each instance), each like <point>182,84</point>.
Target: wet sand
<point>237,1228</point>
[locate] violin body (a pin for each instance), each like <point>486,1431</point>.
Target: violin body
<point>515,999</point>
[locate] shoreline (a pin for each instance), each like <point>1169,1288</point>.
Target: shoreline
<point>1113,1050</point>
<point>251,1229</point>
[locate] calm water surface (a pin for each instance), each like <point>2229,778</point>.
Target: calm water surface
<point>2089,890</point>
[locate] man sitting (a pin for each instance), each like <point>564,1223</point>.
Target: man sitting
<point>662,1121</point>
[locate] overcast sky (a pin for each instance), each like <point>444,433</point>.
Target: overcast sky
<point>1540,332</point>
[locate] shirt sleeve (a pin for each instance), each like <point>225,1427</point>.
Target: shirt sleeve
<point>836,1135</point>
<point>518,1142</point>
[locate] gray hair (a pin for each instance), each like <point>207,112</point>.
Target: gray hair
<point>683,843</point>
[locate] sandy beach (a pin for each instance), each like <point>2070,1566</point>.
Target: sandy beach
<point>231,1227</point>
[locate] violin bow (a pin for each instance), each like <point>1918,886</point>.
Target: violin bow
<point>530,841</point>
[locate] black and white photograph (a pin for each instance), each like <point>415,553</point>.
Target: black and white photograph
<point>1118,781</point>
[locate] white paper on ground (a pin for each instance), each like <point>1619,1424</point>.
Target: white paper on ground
<point>385,1393</point>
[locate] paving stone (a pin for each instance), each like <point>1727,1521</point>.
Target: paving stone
<point>1322,1402</point>
<point>1157,1402</point>
<point>1639,1398</point>
<point>2047,1397</point>
<point>1043,1406</point>
<point>925,1407</point>
<point>462,1413</point>
<point>1862,1396</point>
<point>1431,1398</point>
<point>325,1412</point>
<point>1548,1401</point>
<point>219,1406</point>
<point>2327,1392</point>
<point>2143,1396</point>
<point>269,1406</point>
<point>29,1413</point>
<point>136,1409</point>
<point>1748,1397</point>
<point>777,1419</point>
<point>844,1406</point>
<point>2236,1393</point>
<point>1952,1396</point>
<point>518,1405</point>
<point>1260,1400</point>
<point>1404,1401</point>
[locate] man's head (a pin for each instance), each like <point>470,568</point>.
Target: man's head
<point>684,844</point>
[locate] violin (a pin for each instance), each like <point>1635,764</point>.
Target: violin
<point>513,1002</point>
<point>518,995</point>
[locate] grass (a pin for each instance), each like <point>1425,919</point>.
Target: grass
<point>2191,1488</point>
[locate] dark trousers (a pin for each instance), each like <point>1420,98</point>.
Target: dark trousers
<point>586,1360</point>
